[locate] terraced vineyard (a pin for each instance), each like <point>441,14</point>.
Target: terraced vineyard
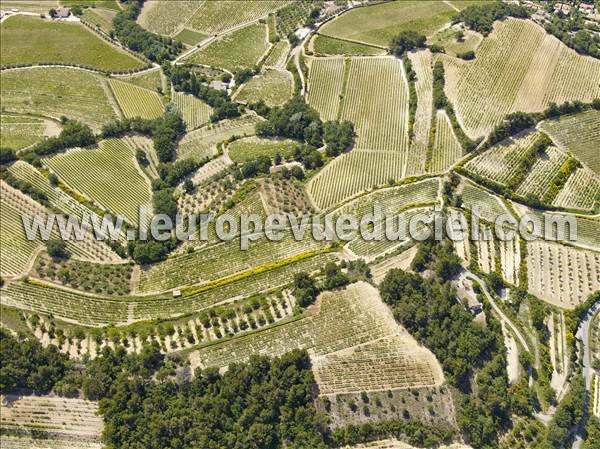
<point>100,174</point>
<point>167,17</point>
<point>507,77</point>
<point>202,143</point>
<point>446,147</point>
<point>240,49</point>
<point>489,206</point>
<point>251,148</point>
<point>54,92</point>
<point>136,101</point>
<point>194,111</point>
<point>21,131</point>
<point>61,423</point>
<point>150,79</point>
<point>581,191</point>
<point>542,173</point>
<point>562,275</point>
<point>325,45</point>
<point>577,134</point>
<point>274,87</point>
<point>278,55</point>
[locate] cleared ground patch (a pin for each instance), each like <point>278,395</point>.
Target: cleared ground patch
<point>55,91</point>
<point>274,87</point>
<point>18,132</point>
<point>136,101</point>
<point>31,40</point>
<point>251,148</point>
<point>452,45</point>
<point>240,49</point>
<point>518,67</point>
<point>108,175</point>
<point>378,24</point>
<point>578,134</point>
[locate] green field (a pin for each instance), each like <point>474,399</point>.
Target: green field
<point>108,175</point>
<point>167,17</point>
<point>108,4</point>
<point>190,37</point>
<point>325,45</point>
<point>579,135</point>
<point>274,87</point>
<point>31,40</point>
<point>378,24</point>
<point>56,91</point>
<point>250,148</point>
<point>101,18</point>
<point>150,80</point>
<point>240,49</point>
<point>21,131</point>
<point>194,111</point>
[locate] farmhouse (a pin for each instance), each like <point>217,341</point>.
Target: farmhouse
<point>62,13</point>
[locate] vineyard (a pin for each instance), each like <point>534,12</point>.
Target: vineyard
<point>499,162</point>
<point>507,77</point>
<point>54,92</point>
<point>166,17</point>
<point>543,171</point>
<point>240,49</point>
<point>378,24</point>
<point>446,147</point>
<point>421,62</point>
<point>60,422</point>
<point>251,148</point>
<point>402,261</point>
<point>202,143</point>
<point>489,206</point>
<point>274,87</point>
<point>21,131</point>
<point>31,40</point>
<point>150,79</point>
<point>578,134</point>
<point>581,191</point>
<point>278,54</point>
<point>561,275</point>
<point>100,174</point>
<point>325,45</point>
<point>136,101</point>
<point>195,112</point>
<point>100,18</point>
<point>325,86</point>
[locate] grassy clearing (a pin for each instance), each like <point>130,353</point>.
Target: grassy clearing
<point>37,6</point>
<point>166,17</point>
<point>136,101</point>
<point>107,175</point>
<point>274,87</point>
<point>241,49</point>
<point>378,24</point>
<point>31,40</point>
<point>190,37</point>
<point>215,17</point>
<point>447,39</point>
<point>325,45</point>
<point>21,131</point>
<point>108,4</point>
<point>579,135</point>
<point>55,91</point>
<point>250,148</point>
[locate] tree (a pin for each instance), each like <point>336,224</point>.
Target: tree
<point>52,13</point>
<point>338,136</point>
<point>7,155</point>
<point>188,186</point>
<point>406,41</point>
<point>305,290</point>
<point>57,249</point>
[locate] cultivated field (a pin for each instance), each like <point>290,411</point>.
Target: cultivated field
<point>101,173</point>
<point>325,45</point>
<point>517,68</point>
<point>100,18</point>
<point>274,87</point>
<point>543,171</point>
<point>251,148</point>
<point>136,101</point>
<point>325,86</point>
<point>167,17</point>
<point>489,205</point>
<point>578,134</point>
<point>240,49</point>
<point>378,24</point>
<point>54,92</point>
<point>278,54</point>
<point>561,275</point>
<point>195,112</point>
<point>202,143</point>
<point>581,191</point>
<point>60,422</point>
<point>18,132</point>
<point>31,40</point>
<point>446,147</point>
<point>150,80</point>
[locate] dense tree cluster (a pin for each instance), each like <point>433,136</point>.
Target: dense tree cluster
<point>7,155</point>
<point>260,165</point>
<point>411,76</point>
<point>25,364</point>
<point>406,41</point>
<point>309,156</point>
<point>569,413</point>
<point>73,134</point>
<point>24,186</point>
<point>136,38</point>
<point>305,289</point>
<point>172,173</point>
<point>294,120</point>
<point>266,403</point>
<point>338,136</point>
<point>481,17</point>
<point>184,79</point>
<point>572,33</point>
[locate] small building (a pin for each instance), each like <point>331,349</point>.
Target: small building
<point>62,13</point>
<point>586,8</point>
<point>218,85</point>
<point>562,7</point>
<point>176,293</point>
<point>288,165</point>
